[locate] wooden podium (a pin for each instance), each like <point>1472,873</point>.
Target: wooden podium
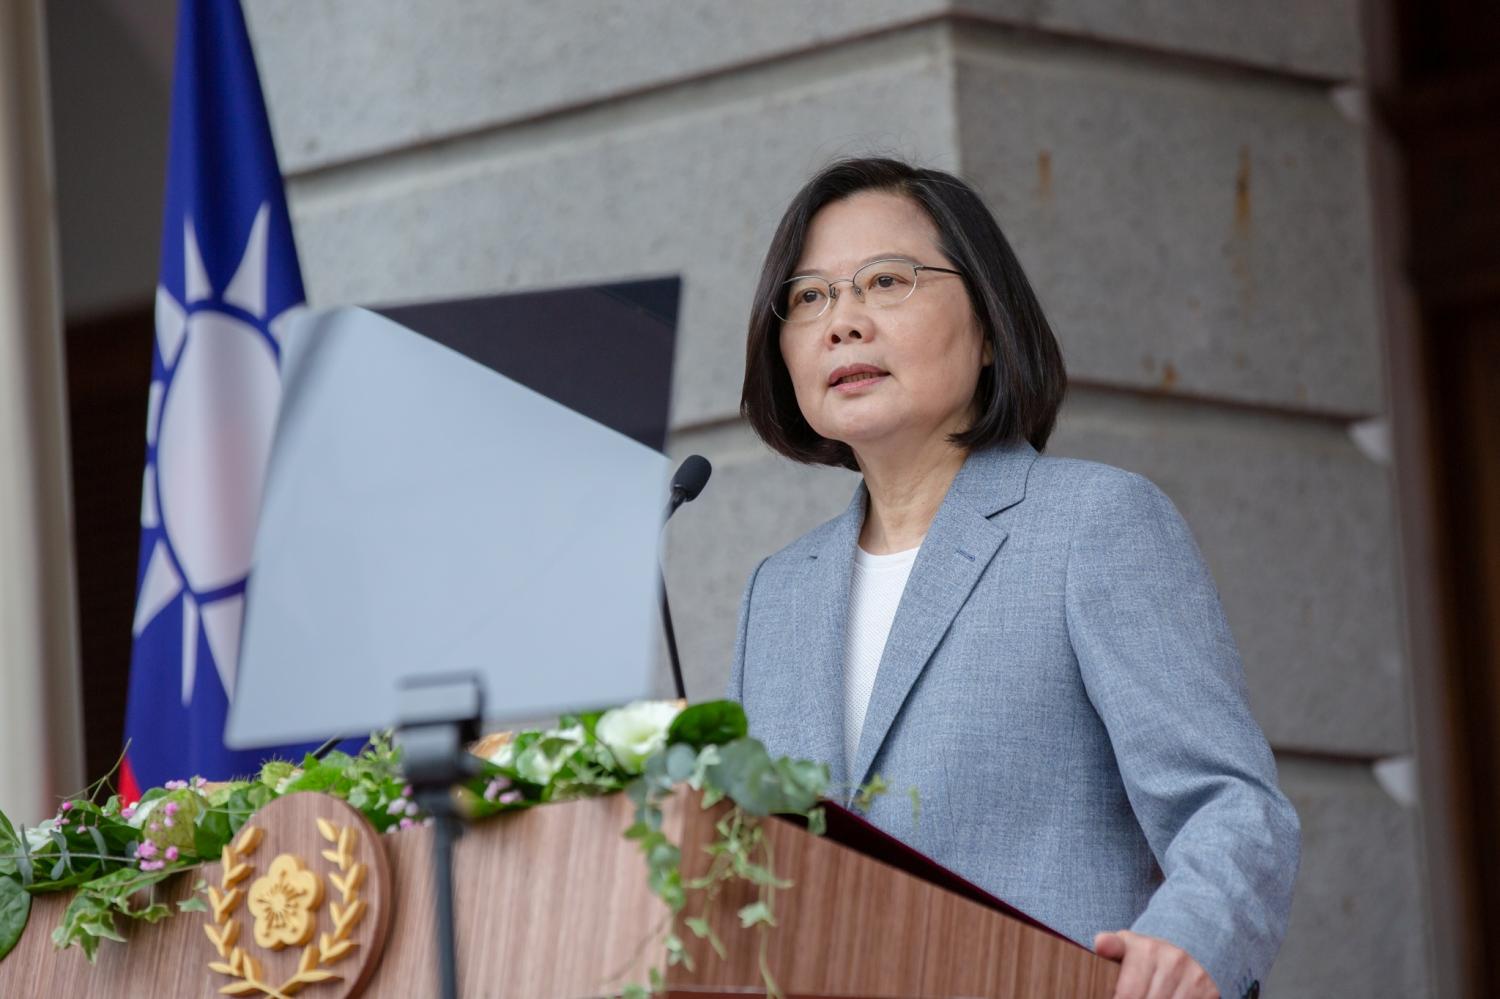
<point>552,903</point>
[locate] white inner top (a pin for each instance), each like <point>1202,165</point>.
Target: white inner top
<point>874,594</point>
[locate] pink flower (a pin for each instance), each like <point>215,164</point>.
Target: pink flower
<point>152,865</point>
<point>147,849</point>
<point>167,821</point>
<point>407,823</point>
<point>66,806</point>
<point>129,810</point>
<point>406,791</point>
<point>171,808</point>
<point>175,785</point>
<point>172,853</point>
<point>510,797</point>
<point>397,807</point>
<point>412,809</point>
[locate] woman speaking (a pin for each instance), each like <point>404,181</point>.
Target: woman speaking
<point>1032,643</point>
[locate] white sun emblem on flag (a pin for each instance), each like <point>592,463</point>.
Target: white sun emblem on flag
<point>212,410</point>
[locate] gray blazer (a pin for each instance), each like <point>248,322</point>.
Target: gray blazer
<point>1061,687</point>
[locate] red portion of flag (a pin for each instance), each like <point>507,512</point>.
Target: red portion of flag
<point>129,789</point>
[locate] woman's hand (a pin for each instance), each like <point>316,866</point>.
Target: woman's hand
<point>1153,969</point>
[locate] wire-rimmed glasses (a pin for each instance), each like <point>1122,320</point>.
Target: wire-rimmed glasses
<point>880,283</point>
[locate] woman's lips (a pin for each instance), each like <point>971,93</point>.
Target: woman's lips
<point>863,383</point>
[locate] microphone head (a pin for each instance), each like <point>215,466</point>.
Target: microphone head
<point>691,477</point>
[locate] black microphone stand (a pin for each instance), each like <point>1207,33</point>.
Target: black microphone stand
<point>666,608</point>
<point>440,718</point>
<point>692,475</point>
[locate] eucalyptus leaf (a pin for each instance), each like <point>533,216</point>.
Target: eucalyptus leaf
<point>98,838</point>
<point>681,761</point>
<point>15,909</point>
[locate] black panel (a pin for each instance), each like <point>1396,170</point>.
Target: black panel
<point>604,351</point>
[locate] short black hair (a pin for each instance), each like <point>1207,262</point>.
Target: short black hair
<point>1019,392</point>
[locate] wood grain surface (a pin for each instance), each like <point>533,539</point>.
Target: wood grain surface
<point>852,926</point>
<point>553,902</point>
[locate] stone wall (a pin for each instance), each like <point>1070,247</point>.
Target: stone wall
<point>1184,182</point>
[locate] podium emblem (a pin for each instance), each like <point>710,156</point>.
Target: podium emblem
<point>302,916</point>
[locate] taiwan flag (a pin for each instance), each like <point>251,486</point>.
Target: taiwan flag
<point>229,284</point>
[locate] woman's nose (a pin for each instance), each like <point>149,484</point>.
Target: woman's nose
<point>847,321</point>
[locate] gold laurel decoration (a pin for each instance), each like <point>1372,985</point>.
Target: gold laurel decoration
<point>223,929</point>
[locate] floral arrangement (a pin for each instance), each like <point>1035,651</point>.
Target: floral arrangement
<point>112,853</point>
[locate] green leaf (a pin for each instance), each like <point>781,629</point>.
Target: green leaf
<point>703,931</point>
<point>23,859</point>
<point>681,761</point>
<point>100,847</point>
<point>677,953</point>
<point>761,786</point>
<point>712,723</point>
<point>869,791</point>
<point>322,775</point>
<point>746,774</point>
<point>211,834</point>
<point>803,783</point>
<point>755,914</point>
<point>588,719</point>
<point>15,909</point>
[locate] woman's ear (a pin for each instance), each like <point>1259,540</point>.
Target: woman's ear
<point>986,349</point>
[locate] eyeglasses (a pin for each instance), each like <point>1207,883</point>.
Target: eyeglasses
<point>881,283</point>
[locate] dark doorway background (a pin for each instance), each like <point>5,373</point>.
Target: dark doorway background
<point>109,369</point>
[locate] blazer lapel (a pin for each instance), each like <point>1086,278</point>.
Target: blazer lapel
<point>959,546</point>
<point>820,626</point>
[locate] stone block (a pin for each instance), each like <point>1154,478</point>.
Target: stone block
<point>1313,39</point>
<point>696,193</point>
<point>1191,232</point>
<point>1298,529</point>
<point>1356,926</point>
<point>347,79</point>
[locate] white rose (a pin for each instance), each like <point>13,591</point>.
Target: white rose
<point>634,732</point>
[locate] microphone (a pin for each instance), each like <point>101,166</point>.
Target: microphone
<point>692,475</point>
